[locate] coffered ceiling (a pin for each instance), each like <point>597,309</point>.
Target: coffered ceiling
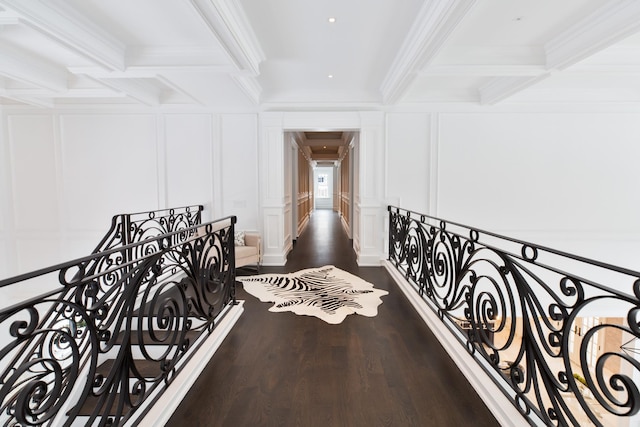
<point>286,54</point>
<point>324,147</point>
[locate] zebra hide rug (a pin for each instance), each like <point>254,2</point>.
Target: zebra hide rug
<point>327,292</point>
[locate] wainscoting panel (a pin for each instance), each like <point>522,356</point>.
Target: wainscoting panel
<point>34,177</point>
<point>38,251</point>
<point>188,161</point>
<point>109,167</point>
<point>238,170</point>
<point>273,241</point>
<point>371,239</point>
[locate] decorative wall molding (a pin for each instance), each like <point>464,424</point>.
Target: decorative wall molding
<point>434,144</point>
<point>500,88</point>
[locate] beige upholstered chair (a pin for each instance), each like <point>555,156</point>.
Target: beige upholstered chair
<point>251,252</point>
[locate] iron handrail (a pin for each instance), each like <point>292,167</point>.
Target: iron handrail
<point>536,327</point>
<point>144,301</point>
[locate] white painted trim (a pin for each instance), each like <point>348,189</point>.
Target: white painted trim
<point>434,160</point>
<point>500,88</point>
<point>229,24</point>
<point>277,260</point>
<point>505,412</point>
<point>161,161</point>
<point>369,260</point>
<point>217,184</point>
<point>604,27</point>
<point>171,398</point>
<point>60,22</point>
<point>435,22</point>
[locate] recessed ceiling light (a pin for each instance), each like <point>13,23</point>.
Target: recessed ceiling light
<point>331,20</point>
<point>330,76</point>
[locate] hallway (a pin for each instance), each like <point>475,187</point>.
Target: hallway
<point>280,369</point>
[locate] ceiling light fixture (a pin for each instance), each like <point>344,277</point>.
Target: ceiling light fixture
<point>330,76</point>
<point>331,20</point>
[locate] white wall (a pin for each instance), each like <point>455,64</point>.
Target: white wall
<point>66,173</point>
<point>407,159</point>
<point>238,173</point>
<point>568,180</point>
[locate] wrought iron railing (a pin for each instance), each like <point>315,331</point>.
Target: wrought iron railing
<point>115,327</point>
<point>135,227</point>
<point>558,333</point>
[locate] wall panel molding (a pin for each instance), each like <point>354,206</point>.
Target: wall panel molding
<point>434,143</point>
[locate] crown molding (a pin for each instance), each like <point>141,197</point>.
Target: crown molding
<point>23,67</point>
<point>168,83</point>
<point>250,86</point>
<point>38,102</point>
<point>500,88</point>
<point>229,24</point>
<point>138,89</point>
<point>9,18</point>
<point>435,22</point>
<point>604,27</point>
<point>59,22</point>
<point>483,70</point>
<point>177,56</point>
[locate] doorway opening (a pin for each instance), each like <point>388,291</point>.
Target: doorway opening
<point>323,187</point>
<point>321,166</point>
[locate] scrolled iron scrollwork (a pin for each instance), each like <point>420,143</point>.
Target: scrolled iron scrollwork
<point>42,360</point>
<point>140,308</point>
<point>514,305</point>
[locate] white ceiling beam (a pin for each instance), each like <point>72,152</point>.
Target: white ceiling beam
<point>606,26</point>
<point>58,21</point>
<point>501,88</point>
<point>605,69</point>
<point>483,70</point>
<point>178,56</point>
<point>168,83</point>
<point>18,65</point>
<point>97,92</point>
<point>603,28</point>
<point>434,24</point>
<point>135,89</point>
<point>250,86</point>
<point>229,24</point>
<point>101,73</point>
<point>9,18</point>
<point>35,102</point>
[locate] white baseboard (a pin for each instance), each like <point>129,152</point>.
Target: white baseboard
<point>274,260</point>
<point>369,260</point>
<point>502,409</point>
<point>170,399</point>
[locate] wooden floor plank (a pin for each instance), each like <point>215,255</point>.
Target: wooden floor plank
<point>280,369</point>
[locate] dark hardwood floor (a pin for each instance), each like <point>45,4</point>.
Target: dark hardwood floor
<point>280,369</point>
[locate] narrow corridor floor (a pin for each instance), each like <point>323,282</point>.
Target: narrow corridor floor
<point>279,369</point>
